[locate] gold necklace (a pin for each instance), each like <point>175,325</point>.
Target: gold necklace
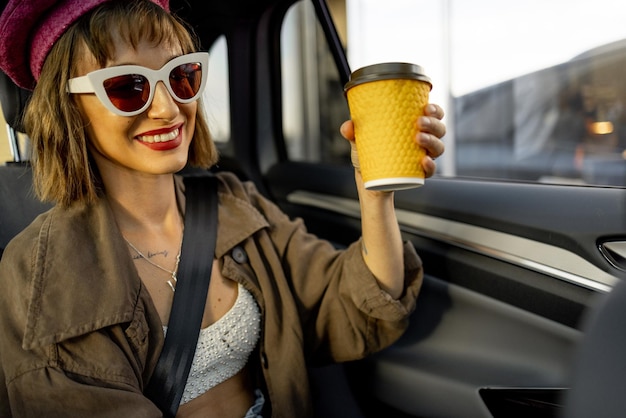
<point>171,282</point>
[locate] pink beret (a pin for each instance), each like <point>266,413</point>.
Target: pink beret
<point>29,28</point>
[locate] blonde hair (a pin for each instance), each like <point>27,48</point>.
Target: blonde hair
<point>63,171</point>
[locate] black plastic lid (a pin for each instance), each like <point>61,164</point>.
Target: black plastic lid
<point>387,71</point>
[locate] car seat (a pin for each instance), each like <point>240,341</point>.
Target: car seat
<point>598,386</point>
<point>18,204</point>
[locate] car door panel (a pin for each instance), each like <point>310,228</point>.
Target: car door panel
<point>507,284</point>
<point>460,342</point>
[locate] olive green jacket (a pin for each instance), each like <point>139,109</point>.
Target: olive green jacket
<point>79,334</point>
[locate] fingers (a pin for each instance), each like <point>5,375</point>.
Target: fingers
<point>429,166</point>
<point>432,129</point>
<point>433,145</point>
<point>431,121</point>
<point>434,110</point>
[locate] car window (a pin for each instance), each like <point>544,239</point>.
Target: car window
<point>313,103</point>
<point>5,151</point>
<point>552,109</point>
<point>216,98</point>
<point>533,91</point>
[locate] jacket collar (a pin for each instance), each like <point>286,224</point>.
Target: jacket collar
<point>84,278</point>
<point>237,218</point>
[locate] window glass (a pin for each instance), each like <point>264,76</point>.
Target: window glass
<point>533,91</point>
<point>542,95</point>
<point>5,150</point>
<point>216,97</point>
<point>313,103</point>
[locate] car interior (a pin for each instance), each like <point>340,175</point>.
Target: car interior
<point>515,273</point>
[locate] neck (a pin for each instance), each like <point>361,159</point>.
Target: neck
<point>145,205</point>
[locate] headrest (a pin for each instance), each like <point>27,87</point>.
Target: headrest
<point>13,101</point>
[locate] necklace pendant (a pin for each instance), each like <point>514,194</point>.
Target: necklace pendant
<point>172,282</point>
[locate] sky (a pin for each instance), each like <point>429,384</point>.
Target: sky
<point>488,41</point>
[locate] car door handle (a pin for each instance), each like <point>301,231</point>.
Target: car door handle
<point>615,253</point>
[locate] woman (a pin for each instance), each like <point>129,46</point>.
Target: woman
<point>89,284</point>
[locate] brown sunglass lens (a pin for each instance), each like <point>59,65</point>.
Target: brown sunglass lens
<point>185,80</point>
<point>127,92</point>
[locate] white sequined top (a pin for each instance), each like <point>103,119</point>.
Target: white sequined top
<point>224,347</point>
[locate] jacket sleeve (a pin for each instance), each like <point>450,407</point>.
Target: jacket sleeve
<point>345,314</point>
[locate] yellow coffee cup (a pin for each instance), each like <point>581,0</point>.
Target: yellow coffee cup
<point>385,101</point>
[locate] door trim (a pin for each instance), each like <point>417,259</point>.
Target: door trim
<point>533,255</point>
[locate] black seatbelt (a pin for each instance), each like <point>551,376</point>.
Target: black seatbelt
<point>168,381</point>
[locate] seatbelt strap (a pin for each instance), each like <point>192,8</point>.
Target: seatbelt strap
<point>168,380</point>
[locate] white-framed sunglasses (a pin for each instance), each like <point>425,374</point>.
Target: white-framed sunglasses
<point>128,90</point>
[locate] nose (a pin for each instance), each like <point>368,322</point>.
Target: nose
<point>163,105</point>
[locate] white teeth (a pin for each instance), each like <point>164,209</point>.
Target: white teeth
<point>159,138</point>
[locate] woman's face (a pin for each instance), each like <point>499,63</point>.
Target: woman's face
<point>154,142</point>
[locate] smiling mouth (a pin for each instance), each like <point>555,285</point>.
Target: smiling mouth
<point>151,139</point>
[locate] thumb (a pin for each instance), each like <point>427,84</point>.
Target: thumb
<point>347,130</point>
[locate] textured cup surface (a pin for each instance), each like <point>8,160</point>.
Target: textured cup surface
<point>385,113</point>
